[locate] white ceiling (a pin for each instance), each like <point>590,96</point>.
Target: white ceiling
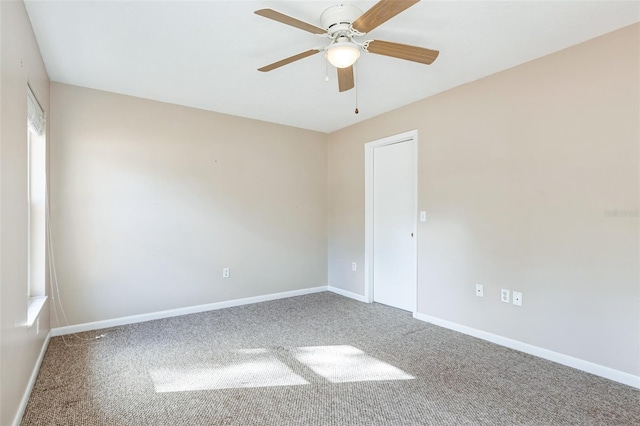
<point>205,54</point>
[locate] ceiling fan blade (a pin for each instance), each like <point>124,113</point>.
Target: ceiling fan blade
<point>285,19</point>
<point>380,13</point>
<point>345,79</point>
<point>288,60</point>
<point>403,51</point>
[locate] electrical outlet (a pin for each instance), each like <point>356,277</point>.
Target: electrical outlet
<point>504,295</point>
<point>225,273</point>
<point>479,290</point>
<point>517,298</point>
<point>354,266</point>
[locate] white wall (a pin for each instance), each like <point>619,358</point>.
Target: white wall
<point>517,172</point>
<point>20,63</point>
<point>151,200</point>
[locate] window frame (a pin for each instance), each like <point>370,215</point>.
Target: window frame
<point>36,208</point>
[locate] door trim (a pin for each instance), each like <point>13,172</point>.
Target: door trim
<point>368,209</point>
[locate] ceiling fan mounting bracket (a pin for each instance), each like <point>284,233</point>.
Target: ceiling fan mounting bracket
<point>337,20</point>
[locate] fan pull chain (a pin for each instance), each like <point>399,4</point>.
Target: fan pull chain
<point>356,84</point>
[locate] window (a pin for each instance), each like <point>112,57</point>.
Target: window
<point>37,181</point>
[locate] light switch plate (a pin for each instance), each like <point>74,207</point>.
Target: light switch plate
<point>479,290</point>
<point>423,216</point>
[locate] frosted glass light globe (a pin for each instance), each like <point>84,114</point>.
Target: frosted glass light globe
<point>343,54</point>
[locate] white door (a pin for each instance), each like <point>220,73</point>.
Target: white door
<point>394,247</point>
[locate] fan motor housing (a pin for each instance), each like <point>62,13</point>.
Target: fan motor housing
<point>339,18</point>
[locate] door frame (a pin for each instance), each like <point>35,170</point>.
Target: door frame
<point>410,136</point>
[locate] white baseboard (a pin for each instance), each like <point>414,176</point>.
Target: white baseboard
<point>348,294</point>
<point>569,361</point>
<point>32,382</point>
<point>97,325</point>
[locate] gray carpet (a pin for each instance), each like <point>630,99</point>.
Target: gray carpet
<point>320,359</point>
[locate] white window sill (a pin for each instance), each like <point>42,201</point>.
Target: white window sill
<point>35,306</point>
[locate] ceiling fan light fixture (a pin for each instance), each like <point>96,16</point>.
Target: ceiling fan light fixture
<point>343,54</point>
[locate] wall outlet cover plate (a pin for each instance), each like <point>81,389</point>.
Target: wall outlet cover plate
<point>517,298</point>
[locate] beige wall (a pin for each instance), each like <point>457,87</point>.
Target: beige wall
<point>516,173</point>
<point>20,63</point>
<point>150,201</point>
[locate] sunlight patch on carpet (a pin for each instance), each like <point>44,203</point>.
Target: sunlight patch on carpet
<point>239,370</point>
<point>345,363</point>
<point>254,368</point>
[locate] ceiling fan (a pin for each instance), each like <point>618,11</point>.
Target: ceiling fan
<point>343,25</point>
